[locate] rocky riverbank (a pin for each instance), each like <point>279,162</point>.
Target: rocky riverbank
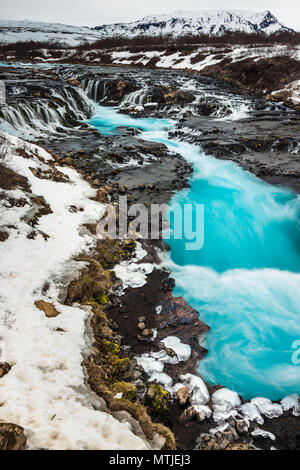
<point>135,318</point>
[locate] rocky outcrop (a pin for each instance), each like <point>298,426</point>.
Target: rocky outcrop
<point>264,75</point>
<point>46,307</point>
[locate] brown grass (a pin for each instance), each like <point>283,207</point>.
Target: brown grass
<point>31,49</point>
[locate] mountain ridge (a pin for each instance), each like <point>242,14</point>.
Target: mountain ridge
<point>213,22</point>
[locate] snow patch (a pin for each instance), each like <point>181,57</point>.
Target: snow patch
<point>267,408</point>
<point>225,402</point>
<point>45,392</point>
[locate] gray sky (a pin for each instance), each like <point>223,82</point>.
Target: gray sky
<point>96,12</point>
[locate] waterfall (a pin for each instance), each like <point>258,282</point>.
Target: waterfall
<point>34,118</point>
<point>138,98</point>
<point>95,89</point>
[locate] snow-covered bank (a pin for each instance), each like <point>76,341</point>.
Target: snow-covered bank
<point>45,390</point>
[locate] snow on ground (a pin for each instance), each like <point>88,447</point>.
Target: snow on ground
<point>205,56</point>
<point>45,391</point>
<point>292,90</point>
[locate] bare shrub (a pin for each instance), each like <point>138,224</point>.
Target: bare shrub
<point>187,44</point>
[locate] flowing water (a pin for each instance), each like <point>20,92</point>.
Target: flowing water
<point>245,282</point>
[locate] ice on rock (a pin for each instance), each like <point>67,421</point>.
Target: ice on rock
<point>153,364</point>
<point>265,434</point>
<point>267,408</point>
<point>131,273</point>
<point>162,378</point>
<point>203,410</point>
<point>225,402</point>
<point>158,309</point>
<point>251,413</point>
<point>150,364</point>
<point>183,351</point>
<point>200,394</point>
<point>291,402</point>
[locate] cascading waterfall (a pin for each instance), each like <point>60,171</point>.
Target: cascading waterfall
<point>37,117</point>
<point>245,282</point>
<point>95,89</point>
<point>138,98</point>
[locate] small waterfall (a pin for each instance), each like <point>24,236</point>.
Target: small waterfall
<point>37,117</point>
<point>136,98</point>
<point>96,90</point>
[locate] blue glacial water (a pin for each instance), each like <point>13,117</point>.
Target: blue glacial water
<point>245,282</point>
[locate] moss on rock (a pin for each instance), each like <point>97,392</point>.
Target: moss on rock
<point>127,389</point>
<point>94,282</point>
<point>158,401</point>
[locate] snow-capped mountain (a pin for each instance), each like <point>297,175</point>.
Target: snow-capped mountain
<point>214,22</point>
<point>177,24</point>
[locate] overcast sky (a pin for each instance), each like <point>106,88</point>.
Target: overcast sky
<point>96,12</point>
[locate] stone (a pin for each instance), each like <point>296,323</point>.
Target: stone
<point>146,333</point>
<point>4,369</point>
<point>170,352</point>
<point>183,395</point>
<point>74,82</point>
<point>141,326</point>
<point>242,427</point>
<point>158,400</point>
<point>187,416</point>
<point>12,437</point>
<point>68,161</point>
<point>168,285</point>
<point>3,236</point>
<point>201,416</point>
<point>142,319</point>
<point>48,309</point>
<point>136,374</point>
